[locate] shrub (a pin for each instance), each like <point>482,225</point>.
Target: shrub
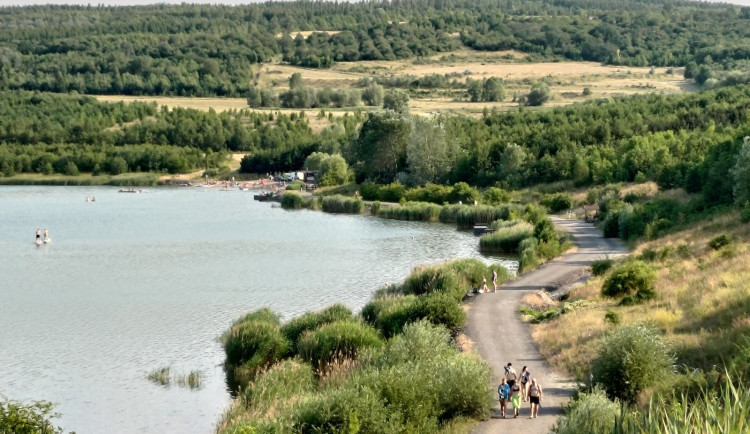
<point>612,317</point>
<point>631,359</point>
<point>600,267</point>
<point>412,211</point>
<point>648,255</point>
<point>343,205</point>
<point>33,418</point>
<point>558,202</point>
<point>506,239</point>
<point>254,345</point>
<point>496,196</point>
<point>440,309</point>
<point>287,379</point>
<point>528,257</point>
<point>463,192</point>
<point>375,208</point>
<point>293,329</point>
<point>424,280</point>
<point>391,314</point>
<point>589,413</point>
<point>745,214</point>
<point>296,185</point>
<point>544,231</point>
<point>291,201</point>
<point>634,278</point>
<point>336,341</point>
<point>347,409</point>
<point>467,216</point>
<point>720,241</point>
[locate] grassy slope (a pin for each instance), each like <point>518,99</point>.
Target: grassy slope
<point>703,305</point>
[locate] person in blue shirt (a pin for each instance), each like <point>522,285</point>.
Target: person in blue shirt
<point>503,392</point>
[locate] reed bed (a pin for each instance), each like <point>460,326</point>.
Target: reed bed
<point>411,211</point>
<point>160,376</point>
<point>506,239</point>
<point>193,380</point>
<point>292,201</point>
<point>339,204</point>
<point>127,180</point>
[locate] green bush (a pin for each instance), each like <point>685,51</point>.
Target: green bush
<point>630,359</point>
<point>598,268</point>
<point>375,208</point>
<point>296,185</point>
<point>612,317</point>
<point>589,413</point>
<point>32,418</point>
<point>496,196</point>
<point>440,309</point>
<point>720,241</point>
<point>254,344</point>
<point>292,201</point>
<point>336,341</point>
<point>558,202</point>
<point>293,329</point>
<point>427,279</point>
<point>745,214</point>
<point>344,410</point>
<point>339,204</point>
<point>468,216</point>
<point>649,255</point>
<point>634,278</point>
<point>411,211</point>
<point>390,315</point>
<point>284,380</point>
<point>506,239</point>
<point>528,258</point>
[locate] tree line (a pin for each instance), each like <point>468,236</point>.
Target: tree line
<point>199,50</point>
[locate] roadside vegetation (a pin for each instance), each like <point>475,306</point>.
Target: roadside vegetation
<point>394,367</point>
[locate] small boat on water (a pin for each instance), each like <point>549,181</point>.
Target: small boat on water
<point>130,190</point>
<point>265,196</point>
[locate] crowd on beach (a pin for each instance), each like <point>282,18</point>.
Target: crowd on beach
<point>515,387</point>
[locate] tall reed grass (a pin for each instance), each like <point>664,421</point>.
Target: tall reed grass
<point>338,204</point>
<point>506,239</point>
<point>411,211</point>
<point>292,201</point>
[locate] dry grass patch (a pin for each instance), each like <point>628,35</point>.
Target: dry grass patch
<point>204,104</point>
<point>306,33</point>
<point>702,304</point>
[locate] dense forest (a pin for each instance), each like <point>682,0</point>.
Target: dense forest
<point>200,50</point>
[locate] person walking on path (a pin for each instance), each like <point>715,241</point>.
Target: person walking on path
<point>535,397</point>
<point>515,398</point>
<point>503,392</point>
<point>525,375</point>
<point>494,280</point>
<point>510,374</point>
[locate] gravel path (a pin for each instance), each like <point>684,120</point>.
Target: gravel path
<point>499,335</point>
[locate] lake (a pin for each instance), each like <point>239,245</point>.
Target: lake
<point>134,282</point>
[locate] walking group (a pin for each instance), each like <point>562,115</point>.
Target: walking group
<point>515,388</point>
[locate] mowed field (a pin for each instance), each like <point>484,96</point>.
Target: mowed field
<point>566,79</point>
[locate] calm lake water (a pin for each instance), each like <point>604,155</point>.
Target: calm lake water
<point>135,282</point>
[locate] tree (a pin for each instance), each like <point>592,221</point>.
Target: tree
<point>396,100</point>
<point>631,359</point>
<point>704,73</point>
<point>539,95</point>
<point>431,154</point>
<point>379,152</point>
<point>474,89</point>
<point>333,171</point>
<point>315,160</point>
<point>373,94</point>
<point>295,80</point>
<point>741,174</point>
<point>493,90</point>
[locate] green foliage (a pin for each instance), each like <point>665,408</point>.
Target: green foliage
<point>539,94</point>
<point>612,317</point>
<point>600,267</point>
<point>255,341</point>
<point>635,279</point>
<point>588,413</point>
<point>558,202</point>
<point>506,239</point>
<point>496,196</point>
<point>528,254</point>
<point>536,316</point>
<point>343,205</point>
<point>295,327</point>
<point>412,211</point>
<point>375,208</point>
<point>336,341</point>
<point>630,359</point>
<point>741,174</point>
<point>284,380</point>
<point>396,100</point>
<point>292,201</point>
<point>720,241</point>
<point>32,418</point>
<point>425,280</point>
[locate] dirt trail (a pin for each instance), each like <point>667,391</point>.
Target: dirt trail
<point>500,336</point>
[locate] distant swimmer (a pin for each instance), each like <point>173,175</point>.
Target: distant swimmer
<point>46,236</point>
<point>38,237</point>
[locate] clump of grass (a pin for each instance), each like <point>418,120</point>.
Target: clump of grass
<point>160,376</point>
<point>338,204</point>
<point>506,239</point>
<point>291,201</point>
<point>536,316</point>
<point>720,241</point>
<point>411,211</point>
<point>600,267</point>
<point>193,380</point>
<point>468,216</point>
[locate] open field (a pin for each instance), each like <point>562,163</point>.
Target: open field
<point>566,79</point>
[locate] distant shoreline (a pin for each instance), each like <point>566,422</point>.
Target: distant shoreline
<point>211,2</point>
